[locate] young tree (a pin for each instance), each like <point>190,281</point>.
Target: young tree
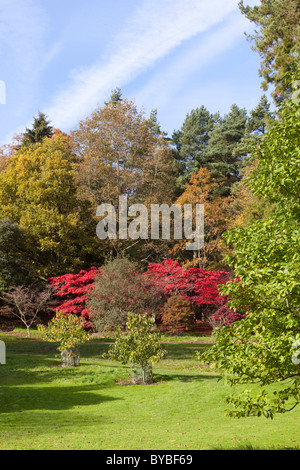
<point>267,263</point>
<point>69,332</point>
<point>26,303</point>
<point>139,345</point>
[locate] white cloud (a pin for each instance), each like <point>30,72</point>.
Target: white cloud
<point>168,81</point>
<point>155,29</point>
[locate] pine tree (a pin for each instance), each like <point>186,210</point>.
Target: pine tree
<point>191,141</point>
<point>41,128</point>
<point>259,120</point>
<point>260,117</point>
<point>219,156</point>
<point>116,96</point>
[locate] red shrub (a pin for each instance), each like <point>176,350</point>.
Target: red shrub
<point>73,288</point>
<point>195,284</point>
<point>224,316</point>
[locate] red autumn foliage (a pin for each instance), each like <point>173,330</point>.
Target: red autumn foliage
<point>198,286</point>
<point>224,316</point>
<point>195,284</point>
<point>73,289</point>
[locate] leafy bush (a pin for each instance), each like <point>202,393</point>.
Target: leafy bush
<point>138,345</point>
<point>178,313</point>
<point>67,330</point>
<point>195,284</point>
<point>73,289</point>
<point>224,316</point>
<point>120,289</point>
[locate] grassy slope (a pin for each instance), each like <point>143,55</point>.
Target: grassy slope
<point>45,406</point>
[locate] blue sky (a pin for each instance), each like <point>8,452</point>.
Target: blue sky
<point>65,57</point>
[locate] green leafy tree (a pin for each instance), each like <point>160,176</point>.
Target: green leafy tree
<point>277,40</point>
<point>138,345</point>
<point>68,331</point>
<point>266,262</point>
<point>13,261</point>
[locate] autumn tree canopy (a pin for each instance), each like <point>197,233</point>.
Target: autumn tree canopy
<point>39,193</point>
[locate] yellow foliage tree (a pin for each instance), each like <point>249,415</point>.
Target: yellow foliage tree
<point>38,191</point>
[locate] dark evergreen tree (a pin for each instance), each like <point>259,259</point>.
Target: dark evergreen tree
<point>154,122</point>
<point>219,155</point>
<point>190,142</point>
<point>41,128</point>
<point>259,120</point>
<point>116,96</point>
<point>260,117</point>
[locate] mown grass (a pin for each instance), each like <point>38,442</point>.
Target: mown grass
<point>94,406</point>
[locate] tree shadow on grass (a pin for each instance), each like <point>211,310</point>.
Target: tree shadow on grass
<point>184,351</point>
<point>183,377</point>
<point>249,446</point>
<point>24,398</point>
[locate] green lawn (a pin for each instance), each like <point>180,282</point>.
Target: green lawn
<point>94,406</point>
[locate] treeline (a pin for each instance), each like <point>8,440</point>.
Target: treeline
<point>51,184</point>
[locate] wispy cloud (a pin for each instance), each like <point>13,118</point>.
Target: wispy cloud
<point>155,29</point>
<point>169,81</point>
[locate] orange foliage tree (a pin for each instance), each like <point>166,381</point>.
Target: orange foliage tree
<point>199,190</point>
